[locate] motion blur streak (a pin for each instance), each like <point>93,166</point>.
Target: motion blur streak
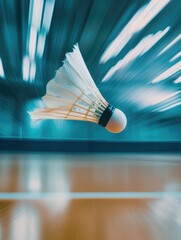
<point>26,67</point>
<point>32,42</point>
<point>41,43</point>
<point>164,97</point>
<point>32,71</point>
<point>178,80</point>
<point>1,69</point>
<point>136,24</point>
<point>169,72</point>
<point>143,46</point>
<point>36,14</point>
<point>48,13</point>
<point>176,56</point>
<point>170,44</point>
<point>39,25</point>
<point>171,106</point>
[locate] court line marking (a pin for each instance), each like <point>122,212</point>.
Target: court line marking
<point>88,195</point>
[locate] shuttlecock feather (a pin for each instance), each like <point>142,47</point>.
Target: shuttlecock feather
<point>72,94</point>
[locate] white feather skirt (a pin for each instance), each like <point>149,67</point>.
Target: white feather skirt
<point>72,93</point>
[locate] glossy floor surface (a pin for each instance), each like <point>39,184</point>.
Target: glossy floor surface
<point>90,196</point>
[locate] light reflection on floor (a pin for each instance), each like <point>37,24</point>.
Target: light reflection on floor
<point>112,196</point>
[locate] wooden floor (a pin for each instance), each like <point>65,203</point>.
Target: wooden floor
<point>90,197</point>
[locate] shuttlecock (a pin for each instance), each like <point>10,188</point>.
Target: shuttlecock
<point>72,94</point>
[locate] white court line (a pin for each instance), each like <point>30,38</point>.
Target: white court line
<point>89,195</point>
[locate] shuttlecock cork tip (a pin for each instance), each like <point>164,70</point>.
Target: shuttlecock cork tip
<point>117,122</point>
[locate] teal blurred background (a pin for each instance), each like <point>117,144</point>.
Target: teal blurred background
<point>132,49</point>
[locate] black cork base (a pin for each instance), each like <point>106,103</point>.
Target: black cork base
<point>105,117</point>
